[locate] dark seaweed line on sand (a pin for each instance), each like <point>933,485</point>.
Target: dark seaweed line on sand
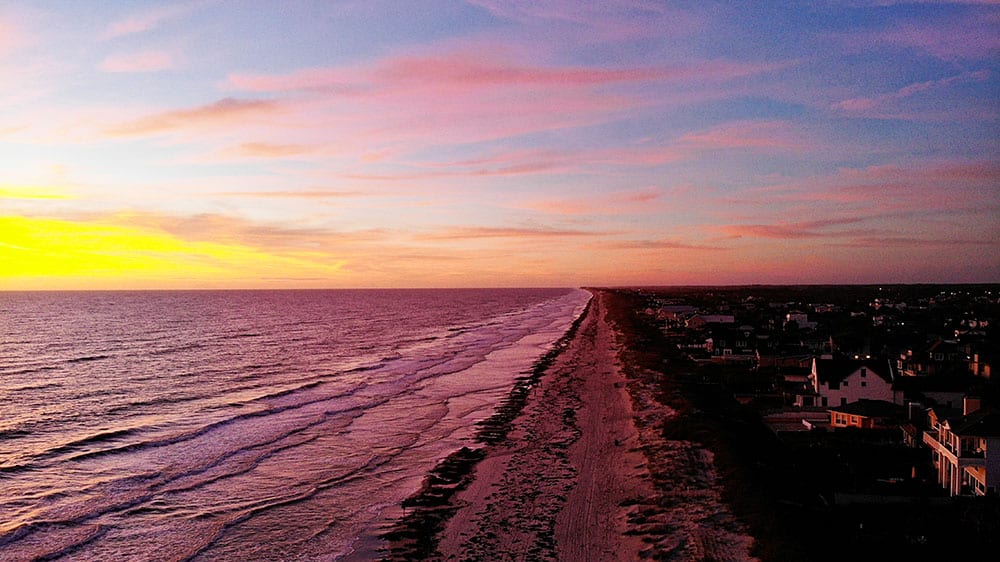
<point>415,535</point>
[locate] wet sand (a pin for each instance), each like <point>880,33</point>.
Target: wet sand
<point>580,471</point>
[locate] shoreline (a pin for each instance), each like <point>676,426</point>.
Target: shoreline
<point>576,464</point>
<point>415,535</point>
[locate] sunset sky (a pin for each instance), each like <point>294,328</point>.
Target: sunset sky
<point>225,144</point>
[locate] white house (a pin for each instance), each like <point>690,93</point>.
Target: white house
<point>801,320</point>
<point>837,382</point>
<point>966,451</point>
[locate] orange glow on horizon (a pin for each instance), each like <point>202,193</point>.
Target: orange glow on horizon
<point>45,253</point>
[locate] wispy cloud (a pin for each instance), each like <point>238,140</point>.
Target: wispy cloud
<point>295,194</point>
<point>463,71</point>
<point>660,244</point>
<point>945,186</point>
<point>268,150</point>
<point>223,111</point>
<point>476,95</point>
<point>793,230</point>
<point>11,36</point>
<point>969,36</point>
<point>147,20</point>
<point>903,242</point>
<point>870,105</point>
<point>143,61</point>
<point>748,135</point>
<point>480,232</point>
<point>530,162</point>
<point>227,229</point>
<point>616,203</point>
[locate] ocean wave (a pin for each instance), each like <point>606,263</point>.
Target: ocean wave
<point>317,409</point>
<point>87,358</point>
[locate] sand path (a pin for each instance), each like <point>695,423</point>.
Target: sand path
<point>560,487</point>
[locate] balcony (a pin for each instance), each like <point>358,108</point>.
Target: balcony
<point>931,440</point>
<point>973,454</point>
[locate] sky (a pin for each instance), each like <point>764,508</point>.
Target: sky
<point>497,143</point>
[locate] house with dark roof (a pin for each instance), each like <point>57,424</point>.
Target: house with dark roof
<point>937,357</point>
<point>966,451</point>
<point>701,321</point>
<point>867,414</point>
<point>729,344</point>
<point>979,359</point>
<point>838,382</point>
<point>946,391</point>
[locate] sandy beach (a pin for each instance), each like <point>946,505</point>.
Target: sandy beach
<point>584,473</point>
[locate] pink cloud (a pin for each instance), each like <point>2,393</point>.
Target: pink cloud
<point>868,104</point>
<point>268,150</point>
<point>529,162</point>
<point>661,244</point>
<point>473,96</point>
<point>480,232</point>
<point>144,61</point>
<point>965,170</point>
<point>903,242</point>
<point>972,36</point>
<point>146,21</point>
<point>295,194</point>
<point>227,229</point>
<point>224,111</point>
<point>642,196</point>
<point>956,185</point>
<point>636,201</point>
<point>10,37</point>
<point>463,71</point>
<point>438,171</point>
<point>747,134</point>
<point>973,170</point>
<point>791,230</point>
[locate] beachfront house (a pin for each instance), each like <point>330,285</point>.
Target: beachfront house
<point>701,321</point>
<point>730,344</point>
<point>965,450</point>
<point>866,414</point>
<point>838,382</point>
<point>937,358</point>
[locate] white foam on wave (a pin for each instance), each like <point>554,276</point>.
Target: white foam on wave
<point>310,466</point>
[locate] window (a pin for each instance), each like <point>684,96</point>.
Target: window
<point>864,383</point>
<point>843,402</point>
<point>845,383</point>
<point>864,372</point>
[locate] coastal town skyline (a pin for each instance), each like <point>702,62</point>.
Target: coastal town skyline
<point>203,144</point>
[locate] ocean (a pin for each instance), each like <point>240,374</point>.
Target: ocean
<point>244,425</point>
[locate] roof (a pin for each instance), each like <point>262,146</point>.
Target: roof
<point>959,383</point>
<point>870,409</point>
<point>981,423</point>
<point>836,370</point>
<point>944,346</point>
